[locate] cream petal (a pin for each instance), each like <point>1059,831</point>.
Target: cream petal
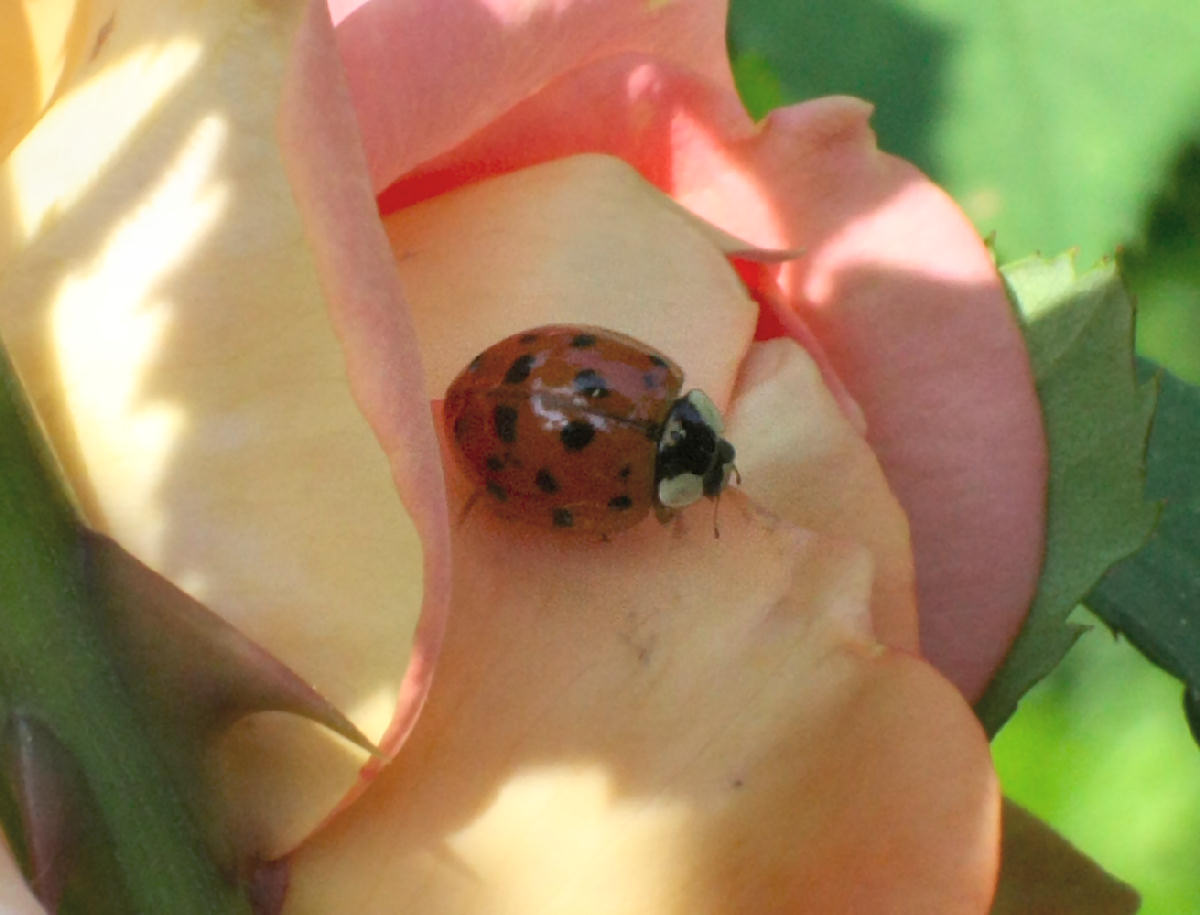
<point>162,306</point>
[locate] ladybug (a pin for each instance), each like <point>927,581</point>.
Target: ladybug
<point>579,427</point>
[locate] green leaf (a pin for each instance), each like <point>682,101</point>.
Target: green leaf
<point>1191,709</point>
<point>877,51</point>
<point>1153,598</point>
<point>1163,268</point>
<point>1098,752</point>
<point>757,83</point>
<point>1079,330</point>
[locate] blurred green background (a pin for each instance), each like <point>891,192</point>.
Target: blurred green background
<point>1066,125</point>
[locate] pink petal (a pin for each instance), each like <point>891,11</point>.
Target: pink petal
<point>371,317</point>
<point>904,297</point>
<point>633,106</point>
<point>426,75</point>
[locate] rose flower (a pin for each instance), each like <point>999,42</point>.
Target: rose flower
<point>289,229</point>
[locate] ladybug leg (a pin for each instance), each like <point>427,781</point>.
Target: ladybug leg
<point>467,506</point>
<point>678,526</point>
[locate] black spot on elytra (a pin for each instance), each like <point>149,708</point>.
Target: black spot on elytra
<point>650,381</point>
<point>527,338</point>
<point>497,492</point>
<point>659,361</point>
<point>519,370</point>
<point>505,419</point>
<point>625,471</point>
<point>653,431</point>
<point>562,517</point>
<point>591,383</point>
<point>583,340</point>
<point>494,462</point>
<point>577,434</point>
<point>545,481</point>
<point>475,363</point>
<point>620,502</point>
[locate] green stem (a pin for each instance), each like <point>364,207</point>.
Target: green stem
<point>54,667</point>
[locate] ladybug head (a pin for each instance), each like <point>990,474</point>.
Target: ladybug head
<point>693,459</point>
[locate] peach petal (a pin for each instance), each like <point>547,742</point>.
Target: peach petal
<point>162,307</point>
<point>581,240</point>
<point>453,67</point>
<point>801,457</point>
<point>668,723</point>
